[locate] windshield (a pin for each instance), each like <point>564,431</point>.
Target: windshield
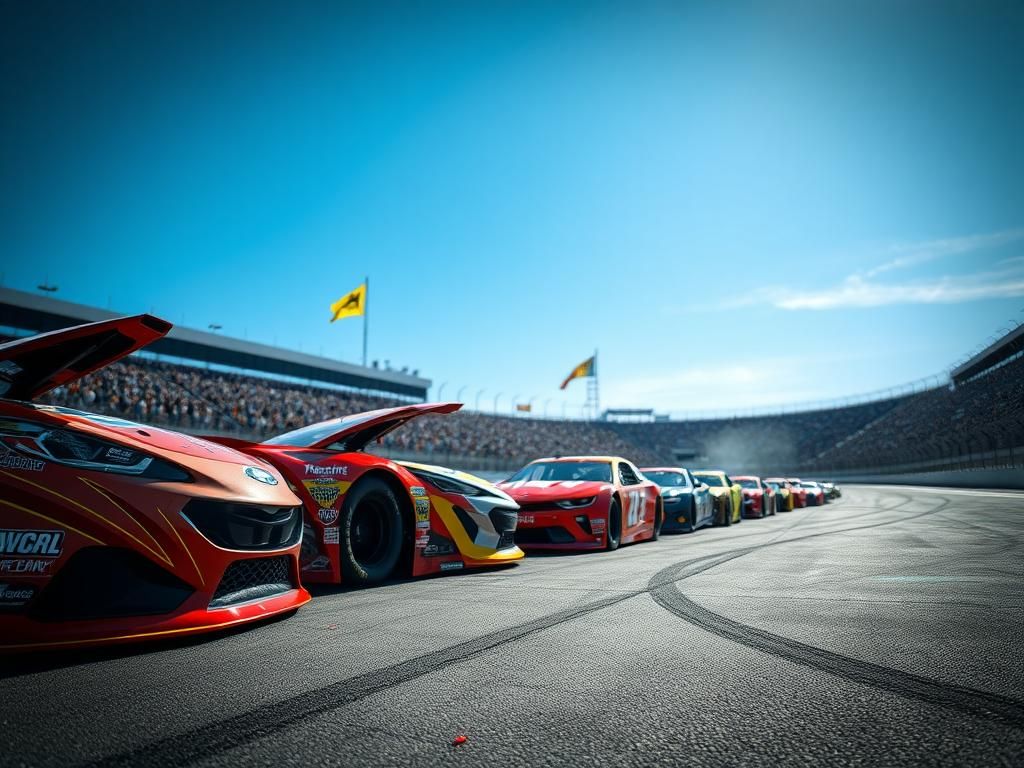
<point>810,485</point>
<point>748,484</point>
<point>599,471</point>
<point>668,479</point>
<point>708,479</point>
<point>314,433</point>
<point>774,486</point>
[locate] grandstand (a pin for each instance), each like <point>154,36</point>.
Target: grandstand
<point>975,421</point>
<point>25,313</point>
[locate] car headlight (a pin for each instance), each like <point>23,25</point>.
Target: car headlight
<point>576,503</point>
<point>450,484</point>
<point>74,449</point>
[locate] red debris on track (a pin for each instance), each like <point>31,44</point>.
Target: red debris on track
<point>459,741</point>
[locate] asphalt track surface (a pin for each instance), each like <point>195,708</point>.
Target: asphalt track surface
<point>884,629</point>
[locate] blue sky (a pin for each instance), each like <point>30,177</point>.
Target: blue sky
<point>738,204</point>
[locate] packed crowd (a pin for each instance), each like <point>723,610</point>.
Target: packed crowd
<point>977,416</point>
<point>201,400</point>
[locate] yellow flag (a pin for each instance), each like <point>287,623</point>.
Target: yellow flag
<point>352,304</point>
<point>586,368</point>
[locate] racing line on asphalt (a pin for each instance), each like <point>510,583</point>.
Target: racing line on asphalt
<point>224,735</point>
<point>664,588</point>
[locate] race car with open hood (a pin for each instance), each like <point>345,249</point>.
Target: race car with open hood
<point>584,502</point>
<point>116,532</point>
<point>368,518</point>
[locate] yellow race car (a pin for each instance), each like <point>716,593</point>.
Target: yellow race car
<point>727,494</point>
<point>788,497</point>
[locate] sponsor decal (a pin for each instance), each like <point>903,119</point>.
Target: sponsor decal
<point>15,595</point>
<point>422,510</point>
<point>42,543</point>
<point>527,519</point>
<point>418,490</point>
<point>321,563</point>
<point>437,550</point>
<point>421,524</point>
<point>9,367</point>
<point>260,475</point>
<point>324,491</point>
<point>452,565</point>
<point>597,524</point>
<point>327,470</point>
<point>328,516</point>
<point>12,460</point>
<point>26,567</point>
<point>331,535</point>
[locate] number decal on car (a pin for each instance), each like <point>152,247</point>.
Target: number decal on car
<point>636,508</point>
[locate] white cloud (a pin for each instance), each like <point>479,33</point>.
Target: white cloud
<point>856,291</point>
<point>862,290</point>
<point>911,254</point>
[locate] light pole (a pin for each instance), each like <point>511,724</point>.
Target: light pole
<point>546,404</point>
<point>458,395</point>
<point>476,404</point>
<point>496,401</point>
<point>440,389</point>
<point>515,400</point>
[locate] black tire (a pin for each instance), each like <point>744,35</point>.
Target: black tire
<point>613,531</point>
<point>659,520</point>
<point>693,515</point>
<point>371,533</point>
<point>727,513</point>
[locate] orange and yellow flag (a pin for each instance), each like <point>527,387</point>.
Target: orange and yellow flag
<point>352,304</point>
<point>586,368</point>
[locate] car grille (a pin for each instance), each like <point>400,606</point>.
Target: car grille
<point>245,526</point>
<point>554,534</point>
<point>503,519</point>
<point>109,582</point>
<point>541,506</point>
<point>253,579</point>
<point>507,540</point>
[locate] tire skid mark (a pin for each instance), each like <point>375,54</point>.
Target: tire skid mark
<point>218,737</point>
<point>223,735</point>
<point>971,701</point>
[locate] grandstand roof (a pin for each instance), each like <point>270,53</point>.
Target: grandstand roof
<point>998,351</point>
<point>29,312</point>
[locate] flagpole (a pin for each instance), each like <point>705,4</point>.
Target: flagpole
<point>366,316</point>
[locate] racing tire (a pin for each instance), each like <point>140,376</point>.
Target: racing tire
<point>727,513</point>
<point>659,520</point>
<point>613,534</point>
<point>371,532</point>
<point>693,515</point>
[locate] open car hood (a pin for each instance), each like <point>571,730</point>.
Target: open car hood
<point>32,367</point>
<point>353,433</point>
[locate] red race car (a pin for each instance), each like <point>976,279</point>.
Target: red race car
<point>368,517</point>
<point>758,496</point>
<point>584,502</point>
<point>114,531</point>
<point>799,494</point>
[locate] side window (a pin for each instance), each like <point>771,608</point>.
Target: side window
<point>626,475</point>
<point>728,480</point>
